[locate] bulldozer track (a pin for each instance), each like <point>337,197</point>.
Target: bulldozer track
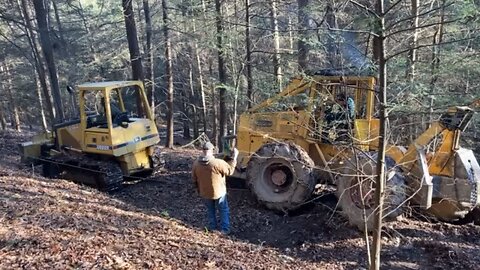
<point>104,175</point>
<point>129,177</point>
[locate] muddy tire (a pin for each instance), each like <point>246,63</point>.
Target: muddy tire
<point>281,176</point>
<point>356,188</point>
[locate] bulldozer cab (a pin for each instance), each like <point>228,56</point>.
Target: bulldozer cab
<point>112,104</point>
<point>114,117</point>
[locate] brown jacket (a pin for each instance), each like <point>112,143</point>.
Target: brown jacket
<point>208,174</point>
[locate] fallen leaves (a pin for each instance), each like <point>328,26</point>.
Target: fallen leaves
<point>159,224</point>
<point>57,225</point>
<point>118,263</point>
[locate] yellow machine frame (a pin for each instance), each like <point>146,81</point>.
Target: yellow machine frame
<point>295,125</point>
<point>439,176</point>
<point>131,144</point>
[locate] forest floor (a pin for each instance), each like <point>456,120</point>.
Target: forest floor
<point>158,224</point>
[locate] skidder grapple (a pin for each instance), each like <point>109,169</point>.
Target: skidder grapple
<point>322,129</point>
<point>115,136</point>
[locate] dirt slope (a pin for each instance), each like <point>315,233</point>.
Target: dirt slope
<point>158,224</point>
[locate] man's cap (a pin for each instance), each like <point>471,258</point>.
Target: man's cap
<point>208,146</point>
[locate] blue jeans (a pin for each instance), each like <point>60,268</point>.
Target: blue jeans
<point>222,205</point>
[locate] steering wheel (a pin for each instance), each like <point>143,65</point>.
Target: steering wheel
<point>120,117</point>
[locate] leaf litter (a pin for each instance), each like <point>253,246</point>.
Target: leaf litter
<point>159,224</point>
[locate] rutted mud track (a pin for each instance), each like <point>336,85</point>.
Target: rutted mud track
<point>158,224</point>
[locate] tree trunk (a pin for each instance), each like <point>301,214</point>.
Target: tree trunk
<point>3,122</point>
<point>193,102</point>
<point>332,47</point>
<point>47,49</point>
<point>235,75</point>
<point>140,28</point>
<point>200,80</point>
<point>214,107</point>
<point>382,137</point>
<point>221,74</point>
<point>412,53</point>
<point>248,55</point>
<point>14,116</point>
<point>37,57</point>
<point>60,28</point>
<point>277,69</point>
<point>186,118</point>
<point>150,80</point>
<point>135,56</point>
<point>435,64</point>
<point>290,33</point>
<point>169,74</point>
<point>302,34</point>
<point>215,117</point>
<point>43,119</point>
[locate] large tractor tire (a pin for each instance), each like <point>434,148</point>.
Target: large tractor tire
<point>356,190</point>
<point>281,176</point>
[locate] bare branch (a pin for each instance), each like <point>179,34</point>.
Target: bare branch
<point>429,45</point>
<point>353,31</point>
<point>419,15</point>
<point>20,49</point>
<point>392,6</point>
<point>420,27</point>
<point>365,8</point>
<point>11,19</point>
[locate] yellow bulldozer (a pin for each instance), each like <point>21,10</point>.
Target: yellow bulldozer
<point>322,129</point>
<point>115,136</point>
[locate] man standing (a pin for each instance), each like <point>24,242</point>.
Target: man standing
<point>208,175</point>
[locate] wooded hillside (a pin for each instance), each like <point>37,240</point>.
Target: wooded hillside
<point>216,58</point>
<point>158,224</point>
<point>358,81</point>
